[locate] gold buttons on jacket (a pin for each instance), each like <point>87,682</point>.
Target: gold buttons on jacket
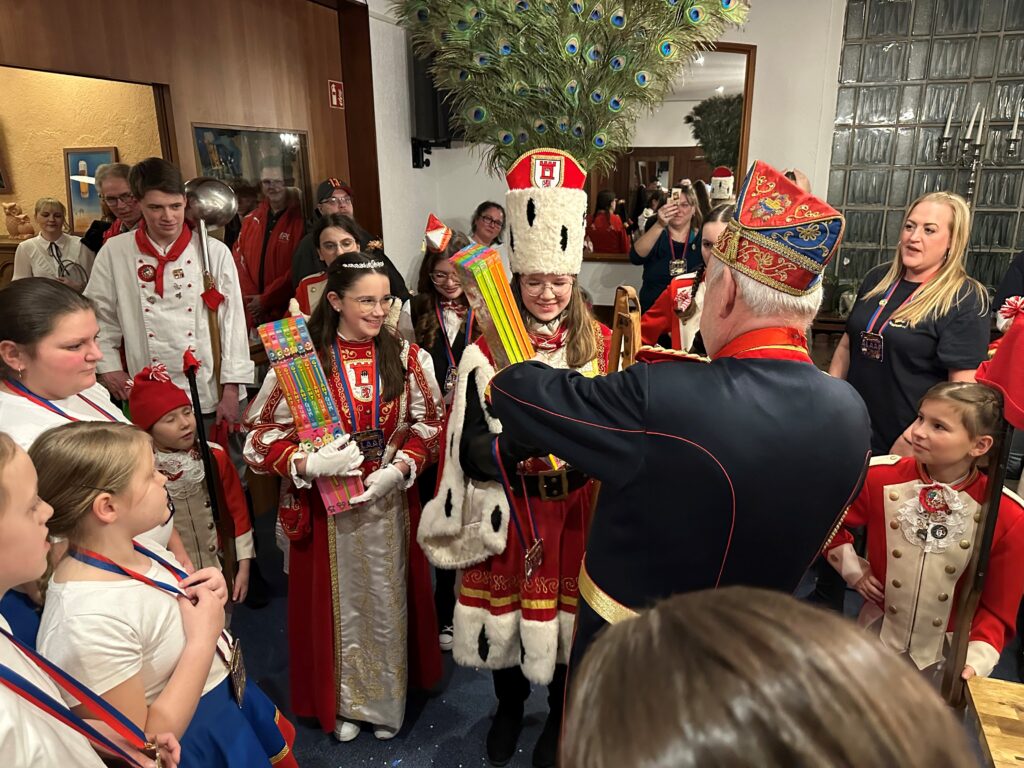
<point>897,583</point>
<point>977,517</point>
<point>943,597</point>
<point>897,553</point>
<point>893,524</point>
<point>209,526</point>
<point>936,622</point>
<point>206,503</point>
<point>965,544</point>
<point>892,609</point>
<point>950,569</point>
<point>894,495</point>
<point>212,548</point>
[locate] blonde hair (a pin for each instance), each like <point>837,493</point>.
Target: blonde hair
<point>936,297</point>
<point>51,202</point>
<point>8,450</point>
<point>743,676</point>
<point>76,462</point>
<point>980,407</point>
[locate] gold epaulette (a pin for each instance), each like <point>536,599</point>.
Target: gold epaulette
<point>885,461</point>
<point>659,354</point>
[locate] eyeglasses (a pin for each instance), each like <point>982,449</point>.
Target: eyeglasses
<point>339,201</point>
<point>345,246</point>
<point>492,221</point>
<point>440,278</point>
<point>533,289</point>
<point>124,199</point>
<point>272,182</point>
<point>367,303</point>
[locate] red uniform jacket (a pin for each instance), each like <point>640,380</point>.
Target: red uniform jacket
<point>661,318</point>
<point>607,234</point>
<point>914,605</point>
<point>277,268</point>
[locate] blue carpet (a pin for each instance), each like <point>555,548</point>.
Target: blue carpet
<point>446,728</point>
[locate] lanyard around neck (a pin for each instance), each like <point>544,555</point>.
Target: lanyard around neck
<point>884,301</point>
<point>21,390</point>
<point>102,710</point>
<point>444,332</point>
<point>347,389</point>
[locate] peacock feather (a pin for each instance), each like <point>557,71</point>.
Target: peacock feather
<point>569,74</point>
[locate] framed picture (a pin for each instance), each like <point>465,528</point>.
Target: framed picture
<point>235,154</point>
<point>80,166</point>
<point>5,181</point>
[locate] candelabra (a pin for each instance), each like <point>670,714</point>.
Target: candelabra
<point>969,151</point>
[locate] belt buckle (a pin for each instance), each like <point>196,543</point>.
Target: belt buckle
<point>553,485</point>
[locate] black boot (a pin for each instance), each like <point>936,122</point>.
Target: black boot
<point>512,690</point>
<point>545,753</point>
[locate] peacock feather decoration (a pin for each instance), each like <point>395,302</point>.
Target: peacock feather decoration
<point>572,75</point>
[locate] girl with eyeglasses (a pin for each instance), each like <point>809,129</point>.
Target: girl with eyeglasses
<point>333,236</point>
<point>444,325</point>
<point>517,599</point>
<point>53,252</point>
<point>359,626</point>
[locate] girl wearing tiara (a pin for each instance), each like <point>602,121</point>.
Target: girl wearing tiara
<point>360,624</point>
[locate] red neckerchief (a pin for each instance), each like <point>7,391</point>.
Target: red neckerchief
<point>552,342</point>
<point>778,343</point>
<point>177,248</point>
<point>455,305</point>
<point>114,229</point>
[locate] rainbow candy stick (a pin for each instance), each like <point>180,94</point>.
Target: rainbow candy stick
<point>304,384</point>
<point>494,307</point>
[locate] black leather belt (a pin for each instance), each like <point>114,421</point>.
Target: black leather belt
<point>553,485</point>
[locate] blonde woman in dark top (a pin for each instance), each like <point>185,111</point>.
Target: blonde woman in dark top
<point>917,321</point>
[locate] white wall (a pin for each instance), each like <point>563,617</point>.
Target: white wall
<point>796,81</point>
<point>665,127</point>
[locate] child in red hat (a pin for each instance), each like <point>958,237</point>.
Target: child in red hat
<point>162,408</point>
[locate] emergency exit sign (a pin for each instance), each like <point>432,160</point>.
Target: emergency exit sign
<point>336,94</point>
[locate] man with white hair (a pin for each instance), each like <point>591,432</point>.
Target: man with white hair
<point>735,471</point>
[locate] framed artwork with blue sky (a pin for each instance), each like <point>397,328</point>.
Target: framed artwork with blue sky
<point>80,166</point>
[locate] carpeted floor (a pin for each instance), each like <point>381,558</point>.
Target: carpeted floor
<point>444,729</point>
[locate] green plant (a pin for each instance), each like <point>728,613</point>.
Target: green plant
<point>716,126</point>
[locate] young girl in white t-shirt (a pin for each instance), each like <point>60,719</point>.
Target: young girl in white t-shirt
<point>29,734</point>
<point>121,616</point>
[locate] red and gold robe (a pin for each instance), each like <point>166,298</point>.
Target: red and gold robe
<point>361,622</point>
<point>502,618</point>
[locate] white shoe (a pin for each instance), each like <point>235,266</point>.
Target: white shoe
<point>345,730</point>
<point>447,638</point>
<point>383,733</point>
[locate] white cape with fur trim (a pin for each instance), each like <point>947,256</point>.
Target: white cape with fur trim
<point>467,521</point>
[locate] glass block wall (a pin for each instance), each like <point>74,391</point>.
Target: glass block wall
<point>904,63</point>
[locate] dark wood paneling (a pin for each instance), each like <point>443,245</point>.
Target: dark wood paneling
<point>354,19</point>
<point>258,63</point>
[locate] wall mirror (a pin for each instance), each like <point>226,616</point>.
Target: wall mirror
<point>665,148</point>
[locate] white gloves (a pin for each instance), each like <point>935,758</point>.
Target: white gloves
<point>340,458</point>
<point>380,483</point>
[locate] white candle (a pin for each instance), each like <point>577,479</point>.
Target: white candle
<point>981,123</point>
<point>1016,121</point>
<point>970,125</point>
<point>949,120</point>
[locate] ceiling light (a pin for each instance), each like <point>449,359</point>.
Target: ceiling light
<point>720,90</point>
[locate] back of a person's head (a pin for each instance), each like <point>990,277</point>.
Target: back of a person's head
<point>155,173</point>
<point>748,677</point>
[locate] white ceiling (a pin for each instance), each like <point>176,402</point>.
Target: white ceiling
<point>699,81</point>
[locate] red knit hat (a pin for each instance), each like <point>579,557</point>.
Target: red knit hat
<point>153,395</point>
<point>1005,373</point>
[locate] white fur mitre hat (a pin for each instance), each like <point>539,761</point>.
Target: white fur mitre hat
<point>546,208</point>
